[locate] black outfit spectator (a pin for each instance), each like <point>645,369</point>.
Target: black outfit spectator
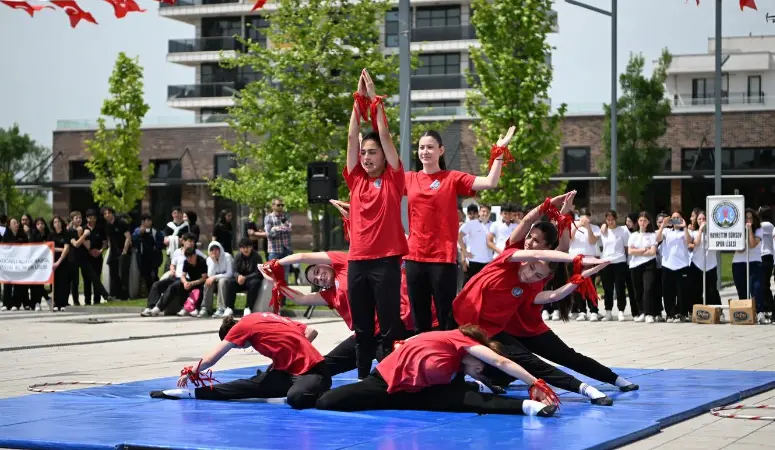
<point>61,273</point>
<point>119,262</point>
<point>223,232</point>
<point>194,274</point>
<point>36,291</point>
<point>91,268</point>
<point>148,244</point>
<point>193,228</point>
<point>14,295</point>
<point>247,267</point>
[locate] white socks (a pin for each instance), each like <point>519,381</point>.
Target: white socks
<point>587,391</point>
<point>532,407</point>
<point>181,393</point>
<point>622,382</point>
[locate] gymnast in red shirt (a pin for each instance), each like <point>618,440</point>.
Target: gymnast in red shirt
<point>328,271</point>
<point>298,370</point>
<point>431,265</point>
<point>422,374</point>
<point>375,177</point>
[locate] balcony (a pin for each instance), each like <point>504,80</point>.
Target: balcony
<point>445,33</point>
<point>208,90</point>
<point>727,98</point>
<point>209,44</point>
<point>439,111</point>
<point>435,82</point>
<point>197,3</point>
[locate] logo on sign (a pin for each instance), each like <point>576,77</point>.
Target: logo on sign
<point>436,185</point>
<point>725,215</point>
<point>703,315</point>
<point>740,316</point>
<point>516,292</point>
<point>378,183</point>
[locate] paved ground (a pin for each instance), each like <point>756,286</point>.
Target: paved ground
<point>34,349</point>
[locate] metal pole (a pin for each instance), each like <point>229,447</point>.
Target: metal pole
<point>704,249</point>
<point>717,153</point>
<point>405,94</point>
<point>747,266</point>
<point>614,98</point>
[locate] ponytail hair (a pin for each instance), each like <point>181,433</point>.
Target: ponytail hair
<point>226,326</point>
<point>476,333</point>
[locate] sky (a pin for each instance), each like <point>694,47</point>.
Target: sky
<point>50,72</point>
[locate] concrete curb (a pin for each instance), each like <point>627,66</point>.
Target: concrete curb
<point>299,313</point>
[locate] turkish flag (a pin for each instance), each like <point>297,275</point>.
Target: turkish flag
<point>749,3</point>
<point>169,2</point>
<point>123,7</point>
<point>259,4</point>
<point>31,9</point>
<point>74,11</point>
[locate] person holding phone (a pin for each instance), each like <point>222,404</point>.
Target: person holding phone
<point>615,238</point>
<point>675,239</point>
<point>753,257</point>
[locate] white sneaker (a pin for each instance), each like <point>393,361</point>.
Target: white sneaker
<point>37,307</point>
<point>13,308</point>
<point>246,312</point>
<point>56,309</point>
<point>155,311</point>
<point>146,312</point>
<point>761,319</point>
<point>202,313</point>
<point>544,315</point>
<point>607,317</point>
<point>649,319</point>
<point>641,318</point>
<point>193,313</point>
<point>182,312</point>
<point>228,312</point>
<point>556,315</point>
<point>621,317</point>
<point>217,314</point>
<point>660,318</point>
<point>594,317</point>
<point>4,308</point>
<point>582,317</point>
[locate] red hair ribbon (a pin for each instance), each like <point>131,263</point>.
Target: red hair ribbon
<point>363,103</point>
<point>377,102</point>
<point>199,379</point>
<point>277,272</point>
<point>496,152</point>
<point>541,386</point>
<point>586,288</point>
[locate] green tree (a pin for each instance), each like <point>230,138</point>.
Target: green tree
<point>642,116</point>
<point>21,159</point>
<point>114,153</point>
<point>510,83</point>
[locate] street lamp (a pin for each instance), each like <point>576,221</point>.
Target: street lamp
<point>614,144</point>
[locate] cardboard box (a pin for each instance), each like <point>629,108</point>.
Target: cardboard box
<point>706,314</point>
<point>742,312</point>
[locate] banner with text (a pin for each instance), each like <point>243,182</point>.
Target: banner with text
<point>27,263</point>
<point>726,222</point>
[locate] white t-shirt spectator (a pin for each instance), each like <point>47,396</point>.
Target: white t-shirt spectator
<point>675,250</point>
<point>641,240</point>
<point>754,254</point>
<point>614,244</point>
<point>698,256</point>
<point>767,229</point>
<point>580,245</point>
<point>476,241</point>
<point>501,233</point>
<point>178,259</point>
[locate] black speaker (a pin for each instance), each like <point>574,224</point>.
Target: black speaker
<point>322,182</point>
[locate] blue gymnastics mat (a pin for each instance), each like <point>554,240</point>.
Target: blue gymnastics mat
<point>123,416</point>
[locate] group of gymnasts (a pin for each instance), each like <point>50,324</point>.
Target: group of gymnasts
<point>398,294</point>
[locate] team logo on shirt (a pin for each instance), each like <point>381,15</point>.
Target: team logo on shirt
<point>436,185</point>
<point>517,291</point>
<point>378,183</point>
<point>725,215</point>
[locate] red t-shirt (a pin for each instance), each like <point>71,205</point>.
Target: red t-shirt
<point>433,216</point>
<point>492,296</point>
<point>427,359</point>
<point>279,339</point>
<point>376,230</point>
<point>527,321</point>
<point>336,296</point>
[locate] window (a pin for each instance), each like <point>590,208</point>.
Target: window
<point>213,115</point>
<point>576,160</point>
<point>437,17</point>
<point>79,171</point>
<point>256,30</point>
<point>436,104</point>
<point>214,73</point>
<point>668,166</point>
<point>223,165</point>
<point>221,27</point>
<point>704,89</point>
<point>166,169</point>
<point>754,87</point>
<point>705,160</point>
<point>439,64</point>
<point>163,199</point>
<point>391,28</point>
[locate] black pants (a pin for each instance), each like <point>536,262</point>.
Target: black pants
<point>767,265</point>
<point>158,289</point>
<point>674,291</point>
<point>148,273</point>
<point>549,346</point>
<point>428,282</point>
<point>694,288</point>
<point>580,305</point>
<point>473,269</point>
<point>173,292</point>
<point>252,286</point>
<point>644,277</point>
<point>615,279</point>
<point>62,285</point>
<point>635,307</point>
<point>15,295</point>
<point>37,292</point>
<point>119,275</point>
<point>516,351</point>
<point>371,394</point>
<point>302,391</point>
<point>91,271</point>
<point>375,285</point>
<point>342,358</point>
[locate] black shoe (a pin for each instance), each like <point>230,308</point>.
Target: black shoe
<point>603,401</point>
<point>497,390</point>
<point>547,411</point>
<point>161,394</point>
<point>629,388</point>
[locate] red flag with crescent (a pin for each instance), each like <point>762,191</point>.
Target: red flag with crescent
<point>169,2</point>
<point>259,4</point>
<point>74,11</point>
<point>124,7</point>
<point>31,9</point>
<point>743,4</point>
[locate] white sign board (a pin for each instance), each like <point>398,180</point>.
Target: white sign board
<point>726,222</point>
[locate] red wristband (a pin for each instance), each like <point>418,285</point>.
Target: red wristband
<point>497,152</point>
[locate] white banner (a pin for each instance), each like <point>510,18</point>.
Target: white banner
<point>27,263</point>
<point>726,222</point>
